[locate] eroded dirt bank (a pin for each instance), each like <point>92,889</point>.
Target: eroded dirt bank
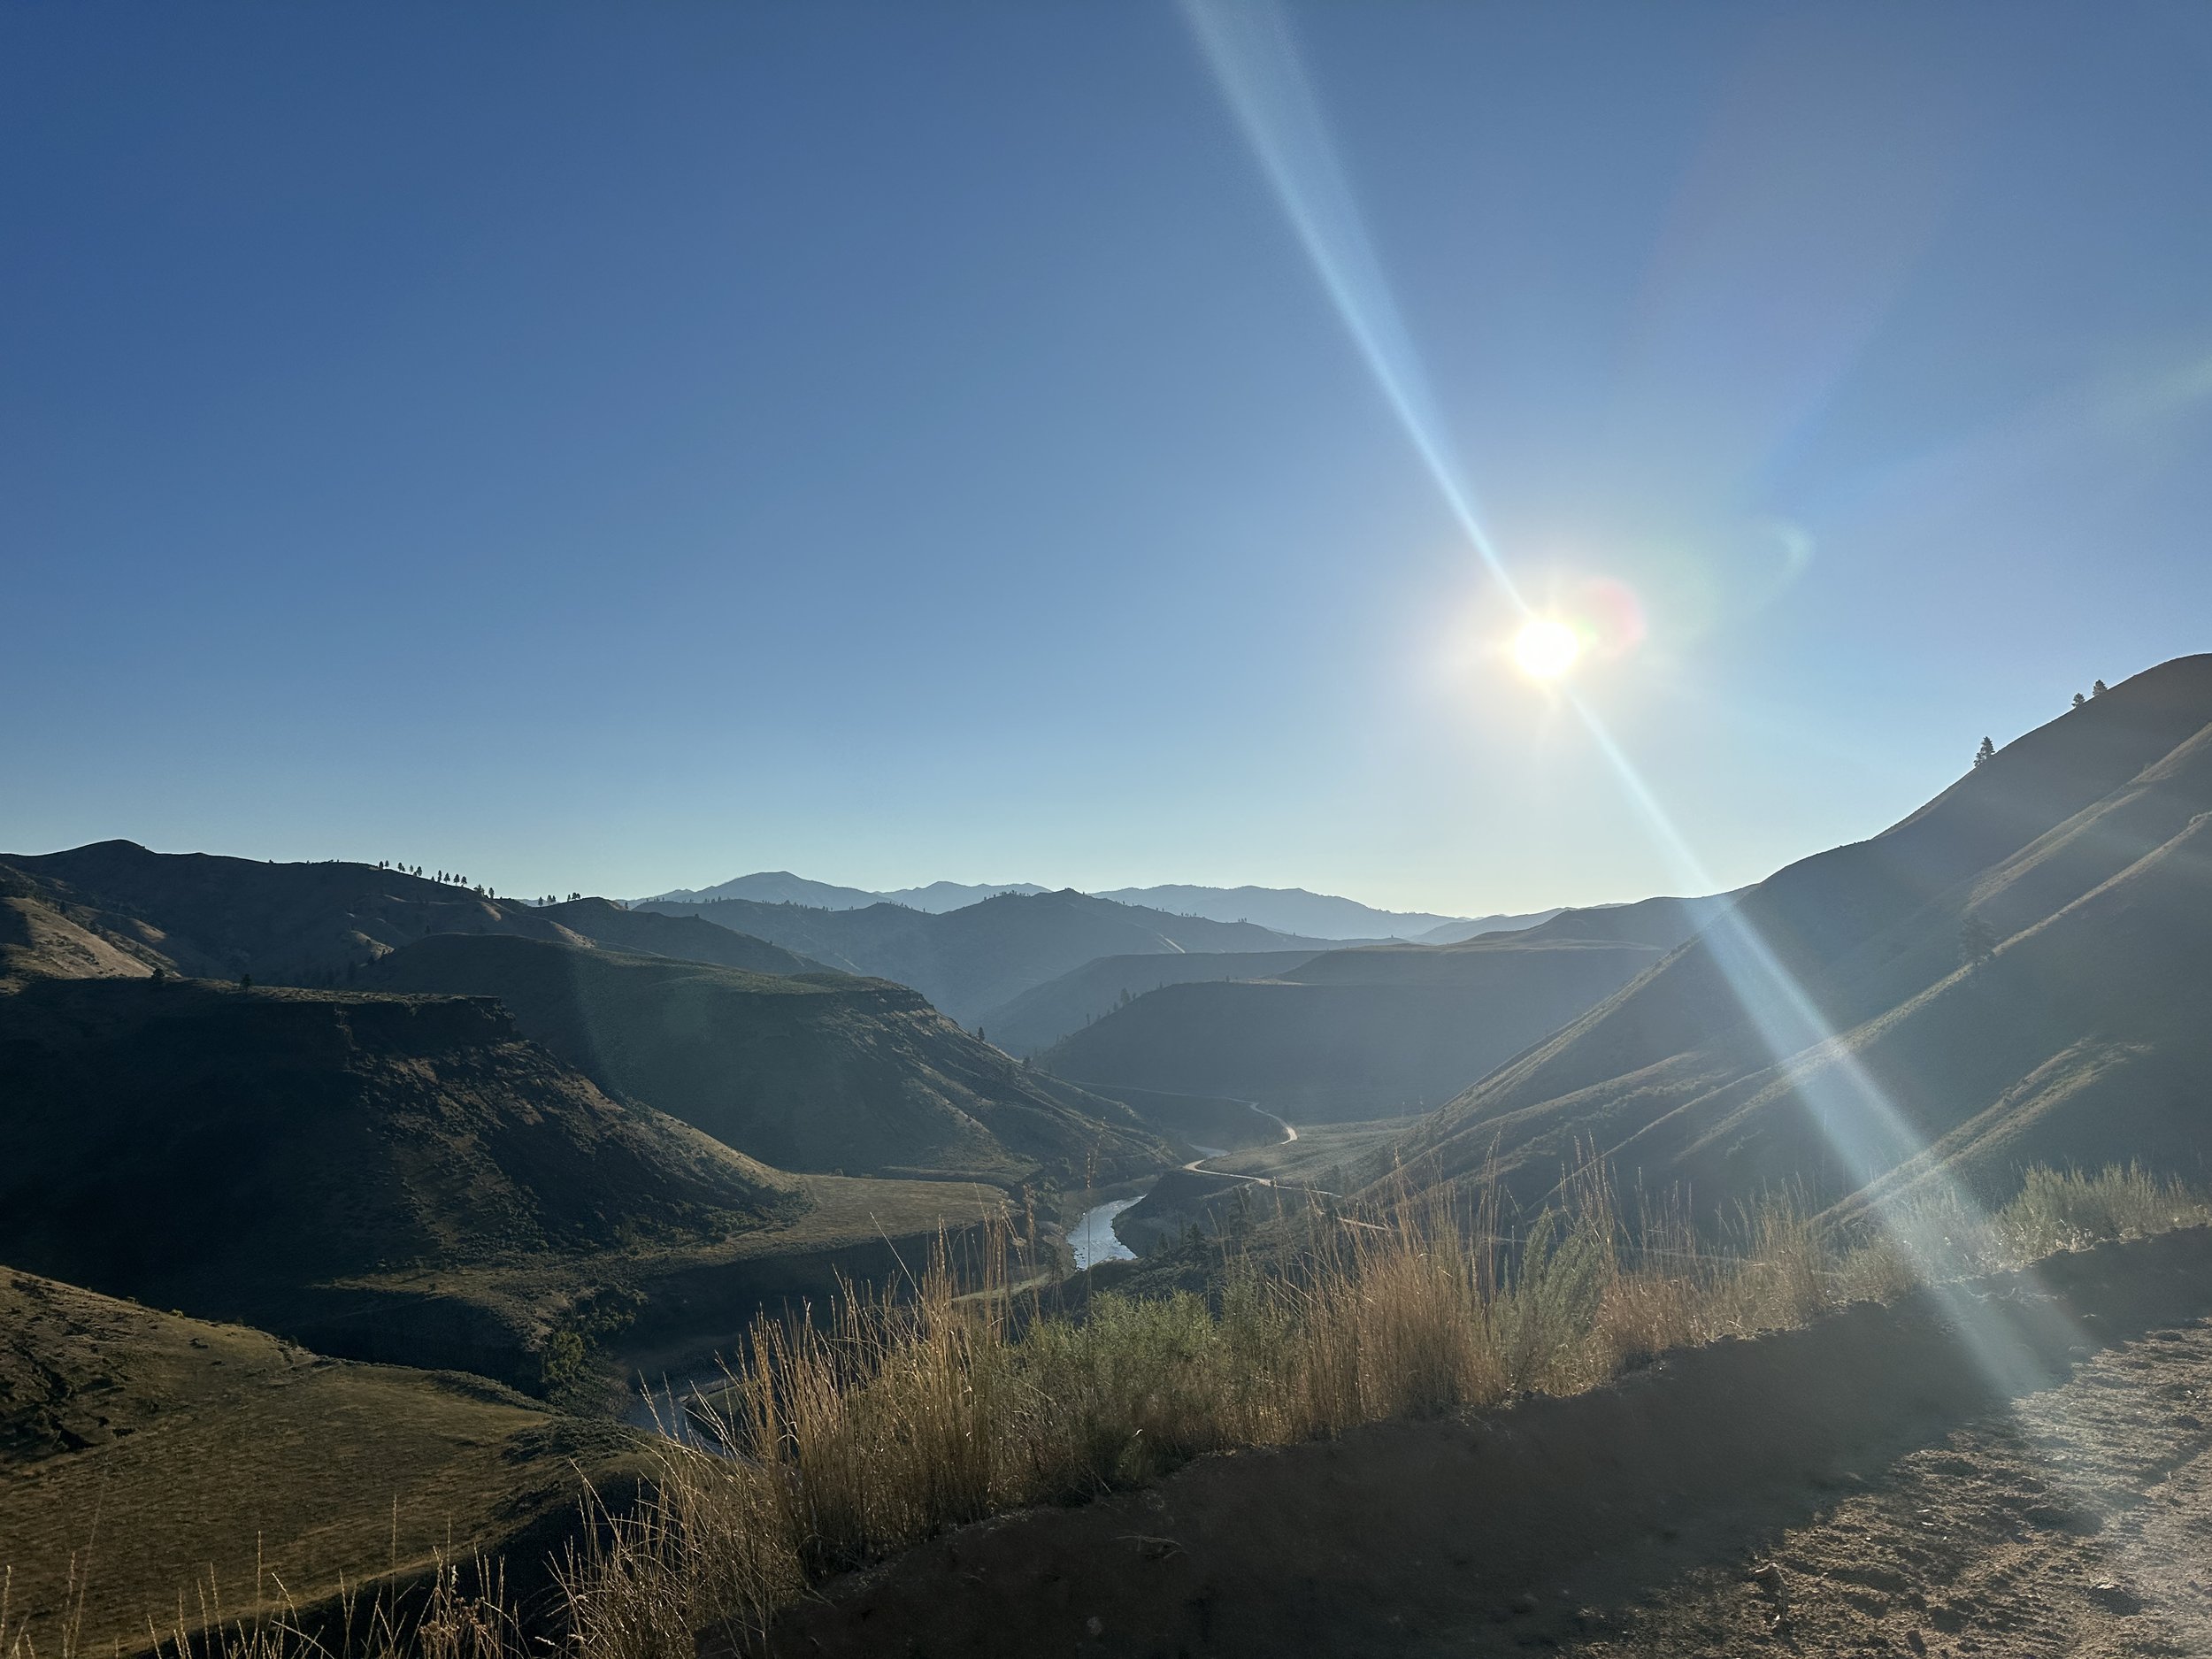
<point>2021,1468</point>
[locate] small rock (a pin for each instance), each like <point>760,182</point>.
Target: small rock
<point>1095,1625</point>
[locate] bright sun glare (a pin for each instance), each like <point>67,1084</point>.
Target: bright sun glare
<point>1546,649</point>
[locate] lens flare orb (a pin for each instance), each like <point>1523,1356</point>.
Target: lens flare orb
<point>1545,649</point>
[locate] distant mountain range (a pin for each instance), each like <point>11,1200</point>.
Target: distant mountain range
<point>781,887</point>
<point>977,958</point>
<point>1291,910</point>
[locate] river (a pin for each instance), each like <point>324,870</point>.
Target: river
<point>1092,1238</point>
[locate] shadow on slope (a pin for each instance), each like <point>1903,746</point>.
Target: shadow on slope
<point>827,1072</point>
<point>399,1177</point>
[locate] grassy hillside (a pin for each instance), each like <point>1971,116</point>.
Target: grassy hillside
<point>2015,972</point>
<point>971,961</point>
<point>1041,1015</point>
<point>39,941</point>
<point>318,924</point>
<point>827,1072</point>
<point>167,1447</point>
<point>1365,1033</point>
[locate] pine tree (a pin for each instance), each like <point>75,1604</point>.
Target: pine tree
<point>1988,751</point>
<point>2079,700</point>
<point>1977,942</point>
<point>2097,690</point>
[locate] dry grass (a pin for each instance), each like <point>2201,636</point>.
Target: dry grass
<point>887,1418</point>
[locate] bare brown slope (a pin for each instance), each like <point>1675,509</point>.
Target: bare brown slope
<point>37,940</point>
<point>169,1446</point>
<point>317,923</point>
<point>1682,1081</point>
<point>826,1072</point>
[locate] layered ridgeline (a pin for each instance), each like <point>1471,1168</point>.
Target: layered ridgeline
<point>969,961</point>
<point>116,908</point>
<point>1319,915</point>
<point>1292,911</point>
<point>818,1073</point>
<point>2017,973</point>
<point>1379,1030</point>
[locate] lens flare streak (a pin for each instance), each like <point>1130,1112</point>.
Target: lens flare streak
<point>1254,57</point>
<point>1255,61</point>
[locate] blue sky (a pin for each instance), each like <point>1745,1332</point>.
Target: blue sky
<point>619,447</point>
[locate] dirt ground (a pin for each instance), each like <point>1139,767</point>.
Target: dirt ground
<point>2080,1523</point>
<point>2017,1469</point>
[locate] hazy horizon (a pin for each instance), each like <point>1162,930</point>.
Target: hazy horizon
<point>914,446</point>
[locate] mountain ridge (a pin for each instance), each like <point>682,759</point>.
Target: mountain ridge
<point>1901,1005</point>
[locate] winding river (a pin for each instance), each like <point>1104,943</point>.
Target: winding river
<point>1092,1238</point>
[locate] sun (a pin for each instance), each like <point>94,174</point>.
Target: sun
<point>1545,649</point>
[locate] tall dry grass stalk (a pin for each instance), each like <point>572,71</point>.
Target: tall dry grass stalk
<point>858,1429</point>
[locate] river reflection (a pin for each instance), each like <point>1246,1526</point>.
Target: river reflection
<point>1092,1239</point>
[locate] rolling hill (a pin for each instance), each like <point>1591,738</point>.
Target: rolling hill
<point>826,1073</point>
<point>314,924</point>
<point>2016,973</point>
<point>1375,1031</point>
<point>170,1448</point>
<point>969,961</point>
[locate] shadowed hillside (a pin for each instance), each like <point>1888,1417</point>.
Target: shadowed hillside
<point>317,923</point>
<point>1041,1015</point>
<point>969,961</point>
<point>266,1155</point>
<point>1380,1029</point>
<point>826,1073</point>
<point>2015,973</point>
